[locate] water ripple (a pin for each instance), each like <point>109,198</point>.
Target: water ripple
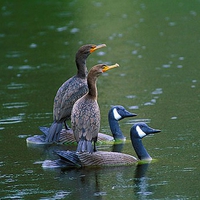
<point>157,91</point>
<point>133,121</point>
<point>25,67</point>
<point>15,105</point>
<point>12,120</point>
<point>14,54</point>
<point>13,86</point>
<point>133,107</point>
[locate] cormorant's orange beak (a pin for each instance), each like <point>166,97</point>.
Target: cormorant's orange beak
<point>106,68</point>
<point>94,48</point>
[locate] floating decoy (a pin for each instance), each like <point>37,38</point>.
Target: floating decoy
<point>85,116</point>
<point>115,114</point>
<point>104,158</point>
<point>69,92</point>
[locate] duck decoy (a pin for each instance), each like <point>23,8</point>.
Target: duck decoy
<point>104,158</point>
<point>85,116</point>
<point>70,91</point>
<point>115,114</point>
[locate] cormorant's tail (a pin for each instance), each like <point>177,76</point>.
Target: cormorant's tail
<point>44,129</point>
<point>54,132</point>
<point>71,158</point>
<point>85,146</point>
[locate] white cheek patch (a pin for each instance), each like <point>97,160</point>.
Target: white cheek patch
<point>140,132</point>
<point>117,116</point>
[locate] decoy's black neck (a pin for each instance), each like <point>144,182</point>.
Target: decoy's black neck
<point>81,66</point>
<point>114,127</point>
<point>140,149</point>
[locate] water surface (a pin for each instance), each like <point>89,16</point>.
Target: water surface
<point>157,47</point>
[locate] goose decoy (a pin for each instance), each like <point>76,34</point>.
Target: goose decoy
<point>103,158</point>
<point>85,116</point>
<point>69,92</point>
<point>115,114</point>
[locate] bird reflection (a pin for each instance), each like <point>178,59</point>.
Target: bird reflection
<point>118,146</point>
<point>141,188</point>
<point>85,182</point>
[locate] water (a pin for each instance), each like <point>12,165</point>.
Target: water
<point>157,46</point>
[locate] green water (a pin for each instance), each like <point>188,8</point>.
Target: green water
<point>156,44</point>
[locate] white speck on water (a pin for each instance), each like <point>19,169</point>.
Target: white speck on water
<point>100,194</point>
<point>25,67</point>
<point>10,67</point>
<point>174,117</point>
<point>166,66</point>
<point>179,66</point>
<point>181,58</point>
<point>101,53</point>
<point>192,12</point>
<point>60,29</point>
<point>141,19</point>
<point>153,100</point>
<point>131,96</point>
<point>98,4</point>
<point>33,45</point>
<point>172,23</point>
<point>74,30</point>
<point>133,107</point>
<point>124,16</point>
<point>157,91</point>
<point>148,104</point>
<point>161,33</point>
<point>134,52</point>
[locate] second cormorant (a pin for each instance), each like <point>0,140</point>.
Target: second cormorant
<point>85,117</point>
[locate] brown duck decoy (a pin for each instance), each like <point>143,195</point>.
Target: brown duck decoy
<point>85,117</point>
<point>69,92</point>
<point>115,114</point>
<point>103,158</point>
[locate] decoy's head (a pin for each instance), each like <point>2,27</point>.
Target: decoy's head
<point>141,129</point>
<point>118,112</point>
<point>97,70</point>
<point>87,49</point>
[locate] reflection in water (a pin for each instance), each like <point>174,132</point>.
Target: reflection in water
<point>85,183</point>
<point>118,146</point>
<point>48,151</point>
<point>82,183</point>
<point>141,181</point>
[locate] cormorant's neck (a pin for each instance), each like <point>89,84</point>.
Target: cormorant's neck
<point>81,66</point>
<point>115,129</point>
<point>91,81</point>
<point>140,149</point>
